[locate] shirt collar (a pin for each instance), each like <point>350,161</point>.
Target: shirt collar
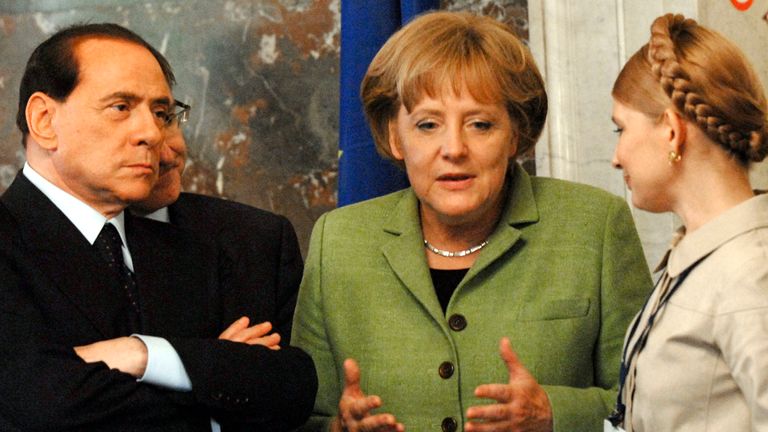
<point>160,215</point>
<point>84,217</point>
<point>747,216</point>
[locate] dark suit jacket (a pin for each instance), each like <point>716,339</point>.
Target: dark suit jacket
<point>260,254</point>
<point>53,297</point>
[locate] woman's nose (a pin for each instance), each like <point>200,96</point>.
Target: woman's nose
<point>615,159</point>
<point>455,145</point>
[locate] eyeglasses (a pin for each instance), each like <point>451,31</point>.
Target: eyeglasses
<point>179,117</point>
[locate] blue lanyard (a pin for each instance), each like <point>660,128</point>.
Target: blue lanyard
<point>617,416</point>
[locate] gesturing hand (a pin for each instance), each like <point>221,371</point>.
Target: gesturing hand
<point>522,404</point>
<point>239,331</point>
<point>354,407</point>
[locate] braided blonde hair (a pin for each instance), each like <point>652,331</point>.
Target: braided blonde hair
<point>708,81</point>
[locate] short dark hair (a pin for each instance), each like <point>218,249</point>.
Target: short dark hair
<point>53,69</point>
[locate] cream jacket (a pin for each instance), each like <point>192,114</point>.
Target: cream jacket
<point>705,365</point>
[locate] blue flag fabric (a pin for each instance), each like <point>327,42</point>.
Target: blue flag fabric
<point>365,26</point>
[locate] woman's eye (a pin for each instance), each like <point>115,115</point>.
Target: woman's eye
<point>618,130</point>
<point>426,125</point>
<point>482,125</point>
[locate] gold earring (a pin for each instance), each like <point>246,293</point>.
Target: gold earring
<point>674,157</point>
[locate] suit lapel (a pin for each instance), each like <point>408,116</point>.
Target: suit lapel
<point>150,270</point>
<point>61,253</point>
<point>181,213</point>
<point>405,254</point>
<point>175,276</point>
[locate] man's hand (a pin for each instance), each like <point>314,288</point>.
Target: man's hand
<point>354,407</point>
<point>522,406</point>
<point>126,354</point>
<point>239,331</point>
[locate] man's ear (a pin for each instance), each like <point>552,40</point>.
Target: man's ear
<point>677,130</point>
<point>40,112</point>
<point>394,140</point>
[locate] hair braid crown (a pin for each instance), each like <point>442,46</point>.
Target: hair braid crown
<point>686,96</point>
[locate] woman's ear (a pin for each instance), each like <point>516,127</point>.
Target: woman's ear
<point>514,142</point>
<point>40,112</point>
<point>394,140</point>
<point>677,130</point>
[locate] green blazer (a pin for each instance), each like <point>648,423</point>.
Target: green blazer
<point>562,276</point>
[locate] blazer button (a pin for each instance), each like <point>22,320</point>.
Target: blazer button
<point>449,424</point>
<point>445,370</point>
<point>217,396</point>
<point>457,322</point>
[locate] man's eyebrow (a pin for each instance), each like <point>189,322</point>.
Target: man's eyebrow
<point>132,98</point>
<point>162,101</point>
<point>128,97</point>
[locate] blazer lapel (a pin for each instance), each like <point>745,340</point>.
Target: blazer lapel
<point>405,249</point>
<point>519,209</point>
<point>62,255</point>
<point>405,254</point>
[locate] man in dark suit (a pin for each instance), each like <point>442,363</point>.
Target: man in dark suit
<point>110,322</point>
<point>260,251</point>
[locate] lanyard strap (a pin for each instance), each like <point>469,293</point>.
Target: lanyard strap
<point>628,355</point>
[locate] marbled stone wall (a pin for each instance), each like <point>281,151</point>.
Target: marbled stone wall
<point>261,75</point>
<point>512,12</point>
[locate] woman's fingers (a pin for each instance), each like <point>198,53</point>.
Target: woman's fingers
<point>355,406</point>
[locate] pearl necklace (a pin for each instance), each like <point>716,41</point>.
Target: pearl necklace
<point>452,254</point>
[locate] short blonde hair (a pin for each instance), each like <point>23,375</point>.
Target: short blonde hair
<point>455,49</point>
<point>705,78</point>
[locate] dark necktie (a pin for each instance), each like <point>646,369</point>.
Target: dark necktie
<point>109,245</point>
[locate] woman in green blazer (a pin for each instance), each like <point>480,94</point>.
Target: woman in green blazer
<point>422,289</point>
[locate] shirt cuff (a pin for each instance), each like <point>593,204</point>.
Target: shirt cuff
<point>164,366</point>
